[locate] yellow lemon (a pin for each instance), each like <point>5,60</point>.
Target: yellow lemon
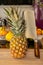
<point>9,36</point>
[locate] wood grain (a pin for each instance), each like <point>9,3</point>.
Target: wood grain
<point>30,59</point>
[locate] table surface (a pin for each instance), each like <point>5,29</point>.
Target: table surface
<point>30,59</point>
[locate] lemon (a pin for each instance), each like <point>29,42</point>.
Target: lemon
<point>9,36</point>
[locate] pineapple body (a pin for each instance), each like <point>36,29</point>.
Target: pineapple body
<point>18,43</point>
<point>18,47</point>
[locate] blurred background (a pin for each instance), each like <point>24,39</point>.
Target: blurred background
<point>38,30</point>
<point>15,2</point>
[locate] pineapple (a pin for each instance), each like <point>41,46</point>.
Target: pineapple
<point>18,42</point>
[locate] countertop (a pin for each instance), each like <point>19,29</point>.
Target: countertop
<point>30,59</point>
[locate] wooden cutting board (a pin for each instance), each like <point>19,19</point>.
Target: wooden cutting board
<point>30,59</point>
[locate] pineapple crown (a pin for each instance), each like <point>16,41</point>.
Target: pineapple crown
<point>15,20</point>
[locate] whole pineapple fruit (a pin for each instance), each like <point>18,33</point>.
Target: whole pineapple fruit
<point>18,42</point>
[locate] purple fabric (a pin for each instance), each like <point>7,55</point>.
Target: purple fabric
<point>39,15</point>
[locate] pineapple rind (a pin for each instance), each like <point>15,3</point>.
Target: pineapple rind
<point>18,44</point>
<point>18,47</point>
